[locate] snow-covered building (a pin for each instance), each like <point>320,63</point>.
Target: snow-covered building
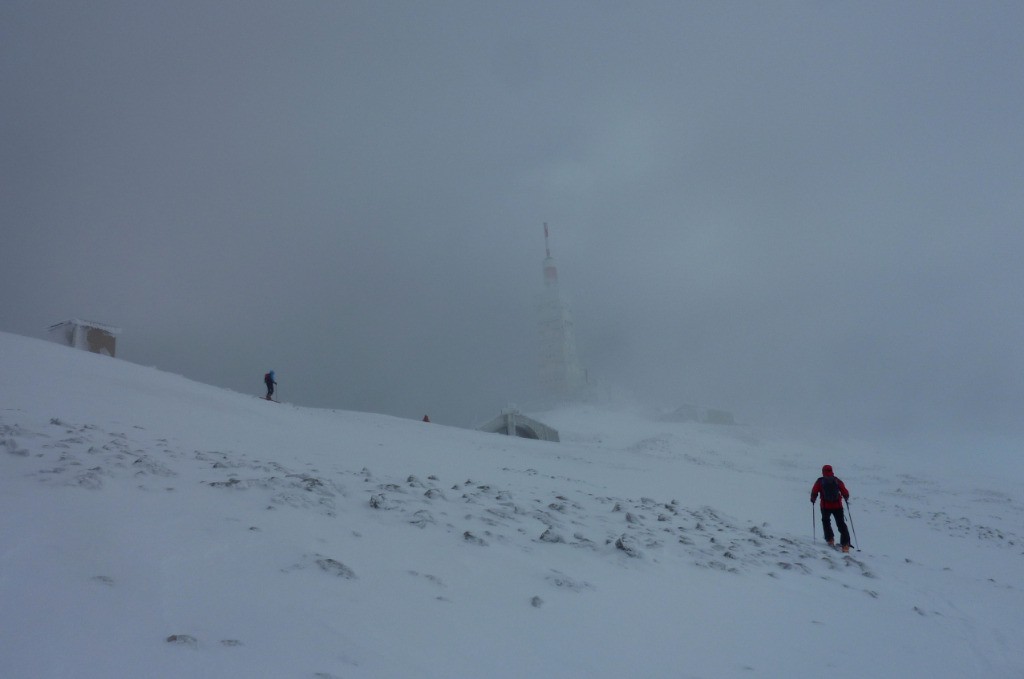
<point>98,338</point>
<point>513,423</point>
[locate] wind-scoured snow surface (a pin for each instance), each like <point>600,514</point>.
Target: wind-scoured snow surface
<point>151,526</point>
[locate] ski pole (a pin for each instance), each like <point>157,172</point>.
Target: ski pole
<point>856,543</point>
<point>814,530</point>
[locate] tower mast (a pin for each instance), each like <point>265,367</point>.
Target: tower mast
<point>550,270</point>
<point>561,374</point>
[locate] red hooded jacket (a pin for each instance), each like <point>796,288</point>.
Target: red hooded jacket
<point>816,490</point>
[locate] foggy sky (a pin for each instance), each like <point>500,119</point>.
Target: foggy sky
<point>804,212</point>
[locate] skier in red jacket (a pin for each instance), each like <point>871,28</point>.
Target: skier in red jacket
<point>833,492</point>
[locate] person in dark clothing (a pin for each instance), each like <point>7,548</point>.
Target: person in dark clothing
<point>269,380</point>
<point>833,491</point>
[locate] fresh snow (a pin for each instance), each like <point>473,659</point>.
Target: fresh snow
<point>156,527</point>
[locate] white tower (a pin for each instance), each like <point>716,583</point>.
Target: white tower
<point>561,375</point>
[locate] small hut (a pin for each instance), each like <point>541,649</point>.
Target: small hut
<point>513,423</point>
<point>98,338</point>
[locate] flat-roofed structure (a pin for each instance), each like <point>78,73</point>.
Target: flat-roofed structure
<point>511,422</point>
<point>98,338</point>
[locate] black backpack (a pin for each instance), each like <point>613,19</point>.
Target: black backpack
<point>830,489</point>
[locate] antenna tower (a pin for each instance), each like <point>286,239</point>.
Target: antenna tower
<point>561,374</point>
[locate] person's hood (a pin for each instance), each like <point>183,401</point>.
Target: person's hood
<point>827,470</point>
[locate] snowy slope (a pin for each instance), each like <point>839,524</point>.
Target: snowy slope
<point>152,526</point>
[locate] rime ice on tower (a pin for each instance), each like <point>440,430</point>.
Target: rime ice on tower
<point>561,375</point>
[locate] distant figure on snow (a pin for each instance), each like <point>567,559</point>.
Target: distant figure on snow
<point>833,492</point>
<point>269,380</point>
<point>426,419</point>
